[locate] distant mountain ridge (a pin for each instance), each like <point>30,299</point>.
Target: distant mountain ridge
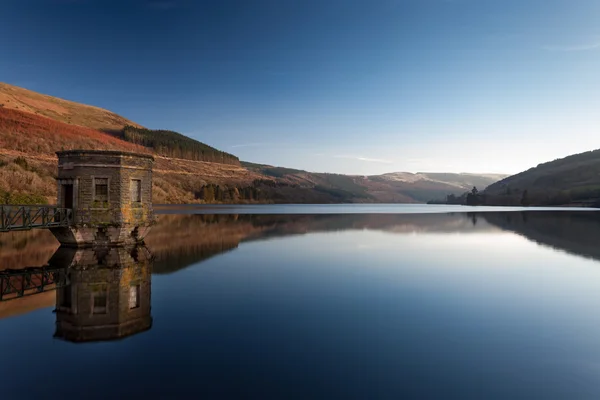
<point>462,180</point>
<point>394,187</point>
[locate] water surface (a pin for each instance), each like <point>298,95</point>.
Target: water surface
<point>485,305</point>
<point>344,209</point>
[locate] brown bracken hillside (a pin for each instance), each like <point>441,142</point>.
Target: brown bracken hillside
<point>16,98</point>
<point>28,143</point>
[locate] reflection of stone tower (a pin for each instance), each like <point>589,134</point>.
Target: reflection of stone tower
<point>108,296</point>
<point>110,193</point>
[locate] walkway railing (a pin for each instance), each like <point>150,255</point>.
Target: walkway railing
<point>18,218</point>
<point>29,281</point>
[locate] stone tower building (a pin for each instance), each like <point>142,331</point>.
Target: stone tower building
<point>110,193</point>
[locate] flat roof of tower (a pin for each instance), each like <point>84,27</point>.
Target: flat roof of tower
<point>103,152</point>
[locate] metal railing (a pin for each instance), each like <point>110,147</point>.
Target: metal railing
<point>18,218</point>
<point>30,281</point>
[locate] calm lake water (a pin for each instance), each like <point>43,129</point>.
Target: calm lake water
<point>379,304</point>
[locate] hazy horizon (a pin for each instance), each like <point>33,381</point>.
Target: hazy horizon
<point>343,86</point>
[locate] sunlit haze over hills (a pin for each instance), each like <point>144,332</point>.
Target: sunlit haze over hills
<point>347,86</point>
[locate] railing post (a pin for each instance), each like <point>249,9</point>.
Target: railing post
<point>10,219</point>
<point>2,218</point>
<point>25,216</point>
<point>21,292</point>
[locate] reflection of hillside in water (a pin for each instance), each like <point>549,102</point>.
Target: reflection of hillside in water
<point>185,239</point>
<point>26,248</point>
<point>284,225</point>
<point>574,232</point>
<point>182,240</point>
<point>178,241</point>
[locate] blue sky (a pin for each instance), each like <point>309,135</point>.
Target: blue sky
<point>349,86</point>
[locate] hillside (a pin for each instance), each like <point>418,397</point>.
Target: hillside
<point>161,142</point>
<point>28,143</point>
<point>16,98</point>
<point>570,180</point>
<point>34,126</point>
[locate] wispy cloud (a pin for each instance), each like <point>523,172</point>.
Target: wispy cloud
<point>236,146</point>
<point>576,47</point>
<point>365,159</point>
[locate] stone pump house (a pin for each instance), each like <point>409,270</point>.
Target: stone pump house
<point>110,195</point>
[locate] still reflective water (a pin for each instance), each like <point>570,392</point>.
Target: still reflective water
<point>491,305</point>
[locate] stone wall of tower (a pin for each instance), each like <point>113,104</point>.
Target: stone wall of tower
<point>117,213</point>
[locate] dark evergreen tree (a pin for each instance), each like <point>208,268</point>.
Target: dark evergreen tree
<point>525,202</point>
<point>173,144</point>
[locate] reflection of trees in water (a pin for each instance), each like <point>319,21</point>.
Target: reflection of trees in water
<point>577,232</point>
<point>175,259</point>
<point>473,218</point>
